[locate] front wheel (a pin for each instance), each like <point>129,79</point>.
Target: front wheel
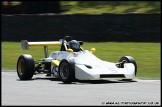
<point>129,59</point>
<point>66,71</point>
<point>25,67</point>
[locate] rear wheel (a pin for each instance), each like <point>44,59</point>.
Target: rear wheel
<point>25,67</point>
<point>66,71</point>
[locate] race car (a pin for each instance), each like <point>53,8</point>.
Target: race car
<point>72,63</point>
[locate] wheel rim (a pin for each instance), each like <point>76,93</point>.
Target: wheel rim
<point>64,71</point>
<point>21,67</point>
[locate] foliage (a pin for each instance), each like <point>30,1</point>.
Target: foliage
<point>116,7</point>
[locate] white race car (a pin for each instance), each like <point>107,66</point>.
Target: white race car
<point>72,63</point>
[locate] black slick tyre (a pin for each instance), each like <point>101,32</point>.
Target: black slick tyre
<point>25,67</point>
<point>129,59</point>
<point>66,71</point>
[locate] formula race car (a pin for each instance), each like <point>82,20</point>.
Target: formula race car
<point>72,63</point>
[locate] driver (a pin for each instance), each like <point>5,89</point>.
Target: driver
<point>74,45</point>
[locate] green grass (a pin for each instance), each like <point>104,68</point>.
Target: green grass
<point>147,55</point>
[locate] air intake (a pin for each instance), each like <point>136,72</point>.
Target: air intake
<point>112,76</point>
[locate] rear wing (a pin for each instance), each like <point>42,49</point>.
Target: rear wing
<point>25,45</point>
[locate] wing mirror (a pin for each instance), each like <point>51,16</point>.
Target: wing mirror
<point>93,50</point>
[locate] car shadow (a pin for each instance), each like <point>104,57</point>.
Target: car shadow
<point>81,82</point>
<point>41,78</point>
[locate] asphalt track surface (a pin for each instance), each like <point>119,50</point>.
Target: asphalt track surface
<point>47,91</point>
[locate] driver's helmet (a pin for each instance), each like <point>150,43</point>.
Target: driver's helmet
<point>74,45</point>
